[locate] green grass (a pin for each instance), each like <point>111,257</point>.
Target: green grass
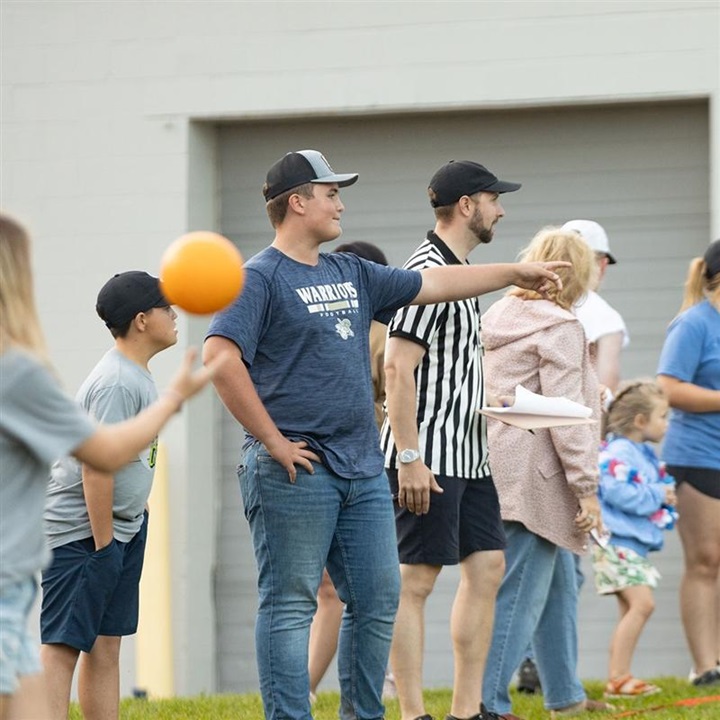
<point>249,707</point>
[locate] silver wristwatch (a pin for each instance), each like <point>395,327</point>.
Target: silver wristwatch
<point>408,456</point>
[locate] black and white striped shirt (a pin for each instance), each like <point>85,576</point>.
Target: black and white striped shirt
<point>449,378</point>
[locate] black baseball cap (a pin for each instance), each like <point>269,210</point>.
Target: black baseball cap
<point>298,168</point>
<point>365,250</point>
<point>465,177</point>
<point>712,259</point>
<point>125,295</point>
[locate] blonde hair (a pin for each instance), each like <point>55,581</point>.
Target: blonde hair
<point>698,285</point>
<point>633,398</point>
<point>19,322</point>
<point>553,243</point>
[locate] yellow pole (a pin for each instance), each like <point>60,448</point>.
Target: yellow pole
<point>154,643</point>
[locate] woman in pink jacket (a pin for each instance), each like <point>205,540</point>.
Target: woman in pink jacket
<point>546,480</point>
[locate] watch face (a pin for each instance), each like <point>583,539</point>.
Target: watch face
<point>408,456</point>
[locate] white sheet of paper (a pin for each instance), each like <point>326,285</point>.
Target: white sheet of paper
<point>530,403</point>
<point>530,411</point>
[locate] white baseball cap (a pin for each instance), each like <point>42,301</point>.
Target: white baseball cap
<point>593,234</point>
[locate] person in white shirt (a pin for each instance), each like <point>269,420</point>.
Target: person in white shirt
<point>604,326</point>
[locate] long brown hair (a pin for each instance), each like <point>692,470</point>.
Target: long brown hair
<point>19,322</point>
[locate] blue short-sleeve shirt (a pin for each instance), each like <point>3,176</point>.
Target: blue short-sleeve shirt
<point>692,354</point>
<point>304,334</point>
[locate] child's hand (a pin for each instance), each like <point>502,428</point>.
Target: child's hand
<point>670,496</point>
<point>188,382</point>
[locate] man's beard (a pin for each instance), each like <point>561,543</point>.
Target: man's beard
<point>483,234</point>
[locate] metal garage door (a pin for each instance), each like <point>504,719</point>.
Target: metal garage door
<point>640,170</point>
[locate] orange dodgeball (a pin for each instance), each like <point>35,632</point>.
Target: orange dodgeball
<point>201,272</point>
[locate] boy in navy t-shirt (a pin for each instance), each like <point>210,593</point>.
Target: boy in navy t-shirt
<point>311,476</point>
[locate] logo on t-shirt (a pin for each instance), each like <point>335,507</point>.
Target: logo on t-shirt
<point>343,329</point>
<point>148,457</point>
<point>330,298</point>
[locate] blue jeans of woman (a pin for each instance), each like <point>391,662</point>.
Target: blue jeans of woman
<point>537,602</point>
<point>297,529</point>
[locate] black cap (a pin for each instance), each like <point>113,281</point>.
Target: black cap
<point>464,177</point>
<point>712,259</point>
<point>298,168</point>
<point>125,295</point>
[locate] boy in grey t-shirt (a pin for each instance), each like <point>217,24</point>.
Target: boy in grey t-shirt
<point>96,522</point>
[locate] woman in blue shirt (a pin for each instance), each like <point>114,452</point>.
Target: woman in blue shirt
<point>689,373</point>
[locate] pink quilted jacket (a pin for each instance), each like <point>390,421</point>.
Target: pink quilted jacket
<point>539,477</point>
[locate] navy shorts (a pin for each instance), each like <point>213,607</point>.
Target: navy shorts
<point>88,593</point>
<point>462,520</point>
<point>704,480</point>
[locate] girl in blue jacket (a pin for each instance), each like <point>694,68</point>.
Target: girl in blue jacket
<point>637,498</point>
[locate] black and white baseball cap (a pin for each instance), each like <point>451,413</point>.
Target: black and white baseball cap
<point>300,167</point>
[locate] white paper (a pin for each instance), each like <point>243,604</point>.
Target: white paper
<point>530,403</point>
<point>532,411</point>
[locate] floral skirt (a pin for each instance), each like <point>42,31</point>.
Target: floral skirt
<point>617,568</point>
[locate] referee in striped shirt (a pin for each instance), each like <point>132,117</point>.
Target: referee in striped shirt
<point>446,507</point>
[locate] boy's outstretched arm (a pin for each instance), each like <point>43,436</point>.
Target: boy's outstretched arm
<point>458,282</point>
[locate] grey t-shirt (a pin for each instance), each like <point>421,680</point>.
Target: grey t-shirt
<point>115,390</point>
<point>38,423</point>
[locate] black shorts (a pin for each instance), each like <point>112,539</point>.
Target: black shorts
<point>462,520</point>
<point>704,480</point>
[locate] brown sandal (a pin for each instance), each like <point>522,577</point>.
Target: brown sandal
<point>626,686</point>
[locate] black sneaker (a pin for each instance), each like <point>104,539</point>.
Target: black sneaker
<point>711,677</point>
<point>424,717</point>
<point>528,678</point>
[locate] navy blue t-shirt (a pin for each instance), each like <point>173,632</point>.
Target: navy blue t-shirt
<point>304,334</point>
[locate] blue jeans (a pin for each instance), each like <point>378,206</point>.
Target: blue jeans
<point>580,578</point>
<point>537,602</point>
<point>297,529</point>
